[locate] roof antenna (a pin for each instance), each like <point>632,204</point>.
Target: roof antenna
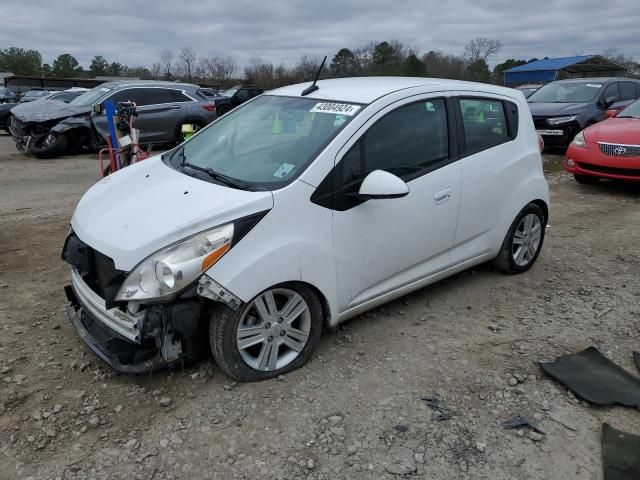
<point>313,87</point>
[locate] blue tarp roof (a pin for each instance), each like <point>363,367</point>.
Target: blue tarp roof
<point>550,64</point>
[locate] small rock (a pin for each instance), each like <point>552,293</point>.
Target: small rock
<point>50,431</point>
<point>311,464</point>
<point>494,327</point>
<point>401,461</point>
<point>118,408</point>
<point>480,446</point>
<point>335,419</point>
<point>164,401</point>
<point>513,381</point>
<point>57,408</point>
<point>5,370</point>
<point>519,377</point>
<point>164,443</point>
<point>419,458</point>
<point>94,421</point>
<point>292,460</point>
<point>352,449</point>
<point>131,444</point>
<point>535,436</point>
<point>338,431</point>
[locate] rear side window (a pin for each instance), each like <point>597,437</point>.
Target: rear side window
<point>485,123</point>
<point>243,94</point>
<point>178,96</point>
<point>155,96</point>
<point>627,91</point>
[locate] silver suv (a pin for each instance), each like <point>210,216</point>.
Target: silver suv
<point>48,129</point>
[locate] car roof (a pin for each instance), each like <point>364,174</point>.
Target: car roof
<point>368,89</point>
<point>149,83</point>
<point>596,79</point>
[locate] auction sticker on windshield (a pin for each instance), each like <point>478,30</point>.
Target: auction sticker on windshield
<point>336,108</point>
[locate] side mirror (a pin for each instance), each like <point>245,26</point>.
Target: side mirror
<point>97,108</point>
<point>381,184</point>
<point>608,101</point>
<point>611,113</point>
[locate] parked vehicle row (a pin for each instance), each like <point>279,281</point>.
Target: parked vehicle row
<point>301,209</point>
<point>563,108</point>
<point>49,128</point>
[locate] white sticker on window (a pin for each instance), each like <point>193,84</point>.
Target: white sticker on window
<point>284,170</point>
<point>594,85</point>
<point>336,108</point>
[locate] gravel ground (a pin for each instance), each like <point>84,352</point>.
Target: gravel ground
<point>359,409</point>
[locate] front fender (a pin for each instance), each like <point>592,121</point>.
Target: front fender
<point>72,122</point>
<point>292,243</point>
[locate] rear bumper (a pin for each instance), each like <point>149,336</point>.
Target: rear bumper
<point>590,161</point>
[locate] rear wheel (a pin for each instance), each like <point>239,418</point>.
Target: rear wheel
<point>48,146</point>
<point>586,179</point>
<point>523,241</point>
<point>224,109</point>
<point>274,333</point>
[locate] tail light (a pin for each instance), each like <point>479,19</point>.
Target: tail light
<point>540,142</point>
<point>210,107</point>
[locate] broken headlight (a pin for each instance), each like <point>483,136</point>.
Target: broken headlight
<point>173,268</point>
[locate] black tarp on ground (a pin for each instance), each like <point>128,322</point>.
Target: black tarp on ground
<point>596,379</point>
<point>620,454</point>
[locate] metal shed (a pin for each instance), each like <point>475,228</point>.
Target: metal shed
<point>550,69</point>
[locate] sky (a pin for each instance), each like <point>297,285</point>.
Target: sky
<point>135,32</point>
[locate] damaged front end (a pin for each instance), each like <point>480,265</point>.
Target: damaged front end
<point>45,137</point>
<point>132,337</point>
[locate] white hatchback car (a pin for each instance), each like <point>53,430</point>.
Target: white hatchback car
<point>295,212</point>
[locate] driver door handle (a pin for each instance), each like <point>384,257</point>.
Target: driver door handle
<point>442,196</point>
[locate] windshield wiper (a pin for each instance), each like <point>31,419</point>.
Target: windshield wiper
<point>627,116</point>
<point>220,177</point>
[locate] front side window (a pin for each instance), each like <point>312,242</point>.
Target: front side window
<point>484,124</point>
<point>243,94</point>
<point>611,94</point>
<point>627,91</point>
<point>267,142</point>
<point>405,142</point>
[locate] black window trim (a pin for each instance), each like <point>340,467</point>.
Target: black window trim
<point>131,87</point>
<point>511,122</point>
<point>325,193</point>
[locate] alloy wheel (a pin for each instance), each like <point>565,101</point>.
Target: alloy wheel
<point>526,239</point>
<point>273,329</point>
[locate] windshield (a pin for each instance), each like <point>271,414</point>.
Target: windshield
<point>267,142</point>
<point>35,93</point>
<point>91,97</point>
<point>569,92</point>
<point>632,110</point>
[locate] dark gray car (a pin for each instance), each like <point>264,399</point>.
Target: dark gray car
<point>562,108</point>
<point>51,128</point>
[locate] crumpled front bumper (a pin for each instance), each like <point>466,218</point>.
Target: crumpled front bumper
<point>115,340</point>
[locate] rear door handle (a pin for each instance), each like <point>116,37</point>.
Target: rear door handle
<point>442,196</point>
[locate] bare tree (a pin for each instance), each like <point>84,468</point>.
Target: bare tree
<point>156,70</point>
<point>481,48</point>
<point>633,67</point>
<point>166,60</point>
<point>187,62</point>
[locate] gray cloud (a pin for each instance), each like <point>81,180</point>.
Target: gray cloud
<point>134,32</point>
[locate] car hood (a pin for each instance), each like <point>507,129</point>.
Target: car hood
<point>615,130</point>
<point>44,110</point>
<point>145,207</point>
<point>556,109</point>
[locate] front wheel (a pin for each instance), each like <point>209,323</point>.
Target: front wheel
<point>48,146</point>
<point>274,333</point>
<point>523,241</point>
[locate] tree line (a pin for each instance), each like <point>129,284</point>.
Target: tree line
<point>376,58</point>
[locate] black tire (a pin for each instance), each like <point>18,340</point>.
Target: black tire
<point>222,337</point>
<point>505,261</point>
<point>49,148</point>
<point>223,109</point>
<point>586,179</point>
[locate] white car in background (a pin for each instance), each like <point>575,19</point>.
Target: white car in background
<point>295,212</point>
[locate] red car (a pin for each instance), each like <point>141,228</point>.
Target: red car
<point>609,149</point>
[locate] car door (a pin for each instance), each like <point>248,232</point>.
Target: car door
<point>487,127</point>
<point>136,95</point>
<point>384,244</point>
<point>160,116</point>
<point>241,96</point>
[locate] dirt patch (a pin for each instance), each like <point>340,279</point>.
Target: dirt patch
<point>357,410</point>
